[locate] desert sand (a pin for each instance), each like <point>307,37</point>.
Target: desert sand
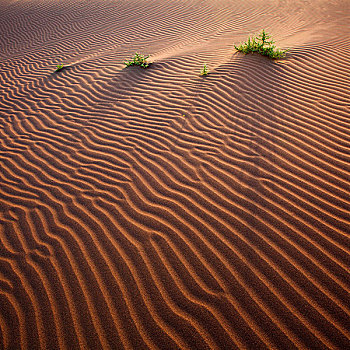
<point>160,209</point>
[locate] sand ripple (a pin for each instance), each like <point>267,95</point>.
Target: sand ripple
<point>157,209</point>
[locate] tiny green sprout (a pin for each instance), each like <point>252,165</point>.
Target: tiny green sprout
<point>205,70</point>
<point>59,67</point>
<point>138,60</point>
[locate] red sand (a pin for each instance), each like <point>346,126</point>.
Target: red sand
<point>158,209</point>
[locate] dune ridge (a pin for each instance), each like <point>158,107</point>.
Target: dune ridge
<point>158,209</point>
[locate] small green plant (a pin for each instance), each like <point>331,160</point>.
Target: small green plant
<point>59,67</point>
<point>261,45</point>
<point>205,70</point>
<point>138,60</point>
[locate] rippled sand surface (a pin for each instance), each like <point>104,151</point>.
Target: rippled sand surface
<point>159,209</point>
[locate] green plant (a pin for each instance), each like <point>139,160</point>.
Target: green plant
<point>205,70</point>
<point>59,67</point>
<point>138,60</point>
<point>261,45</point>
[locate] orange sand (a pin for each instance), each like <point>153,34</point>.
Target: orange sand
<point>158,209</point>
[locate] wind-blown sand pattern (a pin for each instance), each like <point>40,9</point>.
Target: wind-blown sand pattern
<point>158,209</point>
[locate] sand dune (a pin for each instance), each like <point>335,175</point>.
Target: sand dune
<point>159,209</point>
